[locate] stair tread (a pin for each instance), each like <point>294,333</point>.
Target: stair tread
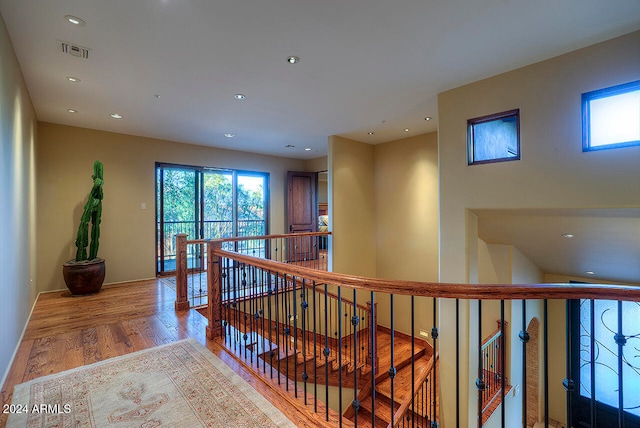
<point>402,381</point>
<point>383,407</point>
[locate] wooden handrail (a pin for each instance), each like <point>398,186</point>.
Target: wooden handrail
<point>447,290</point>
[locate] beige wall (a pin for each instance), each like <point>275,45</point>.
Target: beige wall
<point>352,217</point>
<point>553,171</point>
<point>65,158</point>
<point>17,206</point>
<point>406,232</point>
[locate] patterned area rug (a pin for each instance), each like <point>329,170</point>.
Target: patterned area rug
<point>181,384</point>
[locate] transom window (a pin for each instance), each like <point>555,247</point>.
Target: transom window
<point>494,138</point>
<point>611,117</point>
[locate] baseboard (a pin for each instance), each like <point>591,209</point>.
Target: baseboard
<point>15,351</point>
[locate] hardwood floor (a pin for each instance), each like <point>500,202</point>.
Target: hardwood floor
<point>65,332</point>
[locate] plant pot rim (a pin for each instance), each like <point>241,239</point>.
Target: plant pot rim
<point>73,262</point>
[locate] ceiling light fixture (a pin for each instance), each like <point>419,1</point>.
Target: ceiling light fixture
<point>370,132</point>
<point>239,96</point>
<point>157,96</point>
<point>70,110</point>
<point>229,135</point>
<point>428,118</point>
<point>590,272</point>
<point>568,235</point>
<point>116,116</point>
<point>406,129</point>
<point>293,59</point>
<point>308,149</point>
<point>289,146</point>
<point>75,20</point>
<point>73,79</point>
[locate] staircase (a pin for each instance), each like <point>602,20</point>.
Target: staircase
<point>298,360</point>
<point>394,394</point>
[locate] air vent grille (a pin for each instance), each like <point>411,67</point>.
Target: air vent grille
<point>74,50</point>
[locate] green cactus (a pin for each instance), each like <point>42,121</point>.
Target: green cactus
<point>92,213</point>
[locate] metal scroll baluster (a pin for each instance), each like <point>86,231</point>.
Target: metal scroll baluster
<point>546,361</point>
<point>502,363</point>
<point>270,302</point>
<point>326,352</point>
<point>294,291</point>
<point>457,363</point>
<point>413,362</point>
<point>434,381</point>
<point>305,306</point>
<point>567,383</point>
<point>392,368</point>
<point>480,385</point>
<point>524,338</point>
<point>315,350</point>
<point>355,320</point>
<point>340,353</point>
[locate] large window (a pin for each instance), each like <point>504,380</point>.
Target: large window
<point>611,117</point>
<point>494,138</point>
<point>207,203</point>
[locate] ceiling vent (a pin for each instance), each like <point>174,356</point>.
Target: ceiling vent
<point>74,50</point>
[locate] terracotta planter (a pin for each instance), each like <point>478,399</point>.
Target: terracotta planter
<point>84,277</point>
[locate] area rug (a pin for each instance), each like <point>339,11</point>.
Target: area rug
<point>181,384</point>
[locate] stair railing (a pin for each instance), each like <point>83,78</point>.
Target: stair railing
<point>277,274</point>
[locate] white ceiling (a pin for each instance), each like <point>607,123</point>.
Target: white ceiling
<point>605,242</point>
<point>366,65</point>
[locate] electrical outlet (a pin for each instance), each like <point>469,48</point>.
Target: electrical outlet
<point>424,333</point>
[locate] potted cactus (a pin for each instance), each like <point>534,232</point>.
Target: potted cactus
<point>85,273</point>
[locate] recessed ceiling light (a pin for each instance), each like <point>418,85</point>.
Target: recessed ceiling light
<point>568,235</point>
<point>293,59</point>
<point>73,79</point>
<point>70,110</point>
<point>116,116</point>
<point>239,96</point>
<point>308,149</point>
<point>370,132</point>
<point>428,118</point>
<point>406,130</point>
<point>157,96</point>
<point>229,135</point>
<point>590,272</point>
<point>75,20</point>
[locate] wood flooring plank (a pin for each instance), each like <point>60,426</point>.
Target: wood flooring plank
<point>91,351</point>
<point>67,331</point>
<point>74,351</point>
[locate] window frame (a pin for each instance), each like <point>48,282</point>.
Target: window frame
<point>490,118</point>
<point>587,97</point>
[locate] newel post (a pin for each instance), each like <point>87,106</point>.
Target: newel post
<point>182,302</point>
<point>214,289</point>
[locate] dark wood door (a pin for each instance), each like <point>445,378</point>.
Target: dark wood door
<point>302,213</point>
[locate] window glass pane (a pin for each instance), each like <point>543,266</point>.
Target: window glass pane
<point>615,119</point>
<point>612,117</point>
<point>218,204</point>
<point>250,205</point>
<point>494,138</point>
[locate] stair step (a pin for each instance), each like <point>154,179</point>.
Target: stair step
<point>402,381</point>
<point>383,408</point>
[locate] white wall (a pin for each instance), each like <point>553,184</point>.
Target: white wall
<point>17,206</point>
<point>553,171</point>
